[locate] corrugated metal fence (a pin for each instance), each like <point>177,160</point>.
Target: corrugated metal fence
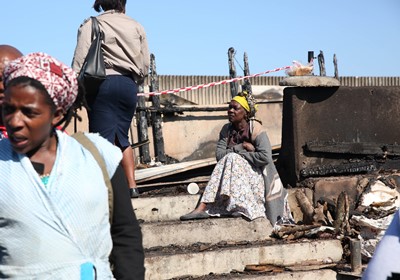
<point>221,93</point>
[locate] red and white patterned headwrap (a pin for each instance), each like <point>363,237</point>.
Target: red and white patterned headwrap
<point>59,80</point>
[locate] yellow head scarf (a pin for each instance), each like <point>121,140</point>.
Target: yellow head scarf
<point>242,101</point>
<point>249,103</point>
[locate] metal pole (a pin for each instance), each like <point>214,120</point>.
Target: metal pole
<point>310,56</point>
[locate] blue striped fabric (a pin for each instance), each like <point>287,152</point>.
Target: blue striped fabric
<point>48,233</point>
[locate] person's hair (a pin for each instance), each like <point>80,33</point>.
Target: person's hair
<point>106,5</point>
<point>80,100</point>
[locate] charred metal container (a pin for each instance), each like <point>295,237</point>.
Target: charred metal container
<point>336,131</point>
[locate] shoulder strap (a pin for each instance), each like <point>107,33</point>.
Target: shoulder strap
<point>95,27</point>
<point>85,142</point>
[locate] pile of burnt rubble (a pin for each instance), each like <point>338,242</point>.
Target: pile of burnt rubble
<point>364,217</point>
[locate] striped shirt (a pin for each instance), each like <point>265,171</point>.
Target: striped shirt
<point>53,232</point>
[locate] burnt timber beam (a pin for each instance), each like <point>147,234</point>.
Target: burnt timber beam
<point>156,115</point>
<point>361,148</point>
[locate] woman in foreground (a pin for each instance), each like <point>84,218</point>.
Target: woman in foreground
<point>53,198</point>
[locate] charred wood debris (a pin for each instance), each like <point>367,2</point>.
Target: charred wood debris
<point>359,221</point>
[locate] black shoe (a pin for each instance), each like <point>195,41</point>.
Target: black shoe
<point>195,216</point>
<point>134,192</point>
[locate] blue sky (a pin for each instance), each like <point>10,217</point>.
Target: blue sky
<point>193,37</point>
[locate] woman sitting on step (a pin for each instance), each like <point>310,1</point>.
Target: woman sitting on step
<point>244,180</point>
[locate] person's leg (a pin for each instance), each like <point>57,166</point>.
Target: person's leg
<point>126,107</point>
<point>198,213</point>
<point>128,164</point>
<point>201,207</point>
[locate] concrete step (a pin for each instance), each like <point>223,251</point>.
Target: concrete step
<point>211,230</point>
<point>164,208</point>
<point>170,208</point>
<point>163,265</point>
<point>176,249</point>
<point>322,274</point>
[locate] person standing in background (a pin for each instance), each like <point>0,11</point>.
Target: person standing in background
<point>7,53</point>
<point>127,60</point>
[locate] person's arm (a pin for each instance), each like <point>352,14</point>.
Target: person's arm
<point>262,155</point>
<point>145,52</point>
<point>222,145</point>
<point>127,256</point>
<point>83,43</point>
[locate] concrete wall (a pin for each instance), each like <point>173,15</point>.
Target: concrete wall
<point>194,135</point>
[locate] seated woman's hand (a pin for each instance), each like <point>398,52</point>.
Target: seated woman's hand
<point>248,146</point>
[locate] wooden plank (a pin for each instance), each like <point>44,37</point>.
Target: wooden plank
<point>361,148</point>
<point>276,148</point>
<point>152,173</point>
<point>146,174</point>
<point>198,179</point>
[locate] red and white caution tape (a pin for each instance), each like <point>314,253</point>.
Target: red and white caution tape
<point>212,83</point>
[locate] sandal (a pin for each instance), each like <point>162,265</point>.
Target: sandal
<point>195,216</point>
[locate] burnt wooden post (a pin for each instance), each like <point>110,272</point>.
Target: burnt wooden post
<point>247,85</point>
<point>356,259</point>
<point>155,114</point>
<point>232,71</point>
<point>142,127</point>
<point>336,67</point>
<point>321,63</point>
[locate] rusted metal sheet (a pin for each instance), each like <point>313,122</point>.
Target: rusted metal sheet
<point>221,94</point>
<point>325,130</point>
